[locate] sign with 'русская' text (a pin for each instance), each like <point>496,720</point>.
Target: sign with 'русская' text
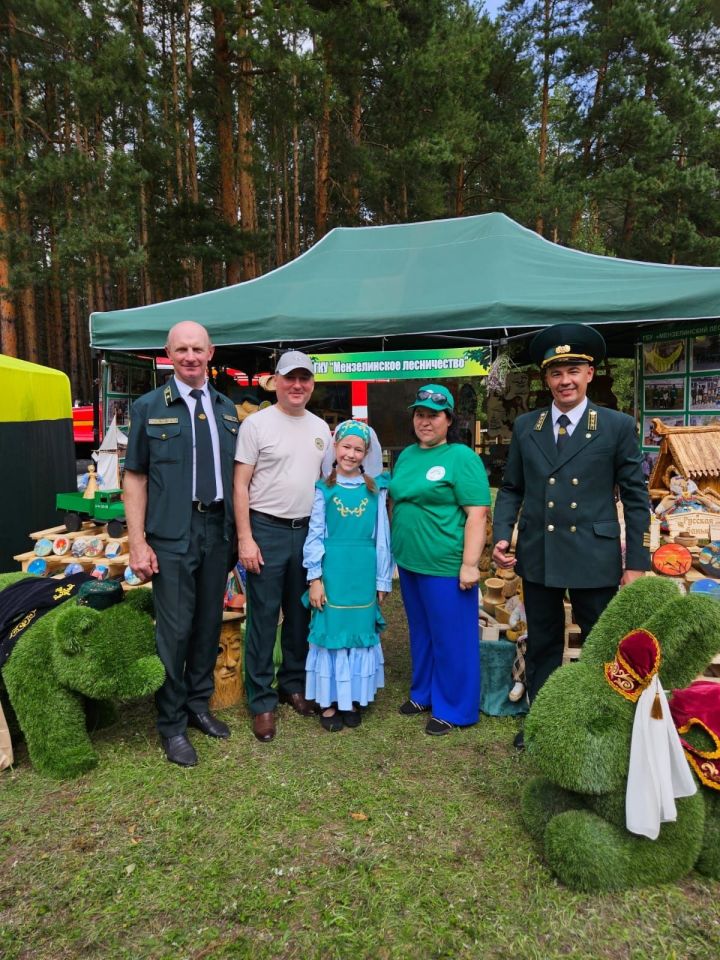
<point>402,364</point>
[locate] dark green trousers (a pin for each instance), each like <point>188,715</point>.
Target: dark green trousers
<point>280,584</point>
<point>188,593</point>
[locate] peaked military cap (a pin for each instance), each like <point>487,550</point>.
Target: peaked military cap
<point>567,343</point>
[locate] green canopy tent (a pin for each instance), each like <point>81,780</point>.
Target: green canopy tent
<point>425,284</point>
<point>38,452</point>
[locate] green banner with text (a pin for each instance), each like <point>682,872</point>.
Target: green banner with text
<point>403,364</point>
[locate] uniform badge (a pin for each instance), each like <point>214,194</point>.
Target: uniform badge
<point>161,421</point>
<point>592,420</point>
<point>201,416</point>
<point>564,348</point>
<point>540,421</point>
<point>167,394</point>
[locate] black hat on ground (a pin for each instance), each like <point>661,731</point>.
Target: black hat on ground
<point>567,343</point>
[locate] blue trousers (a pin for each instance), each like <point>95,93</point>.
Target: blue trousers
<point>444,646</point>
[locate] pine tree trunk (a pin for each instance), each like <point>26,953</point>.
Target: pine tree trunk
<point>322,161</point>
<point>460,190</point>
<point>295,251</point>
<point>27,294</point>
<point>544,110</point>
<point>8,326</point>
<point>246,180</point>
<point>226,160</point>
<point>192,188</point>
<point>355,140</point>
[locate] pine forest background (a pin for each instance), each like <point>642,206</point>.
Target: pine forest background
<point>152,149</point>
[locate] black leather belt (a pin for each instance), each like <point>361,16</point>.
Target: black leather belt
<point>215,507</point>
<point>296,523</point>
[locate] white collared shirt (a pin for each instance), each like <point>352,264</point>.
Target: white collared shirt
<point>184,391</point>
<point>574,416</point>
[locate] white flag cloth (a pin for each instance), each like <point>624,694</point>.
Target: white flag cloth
<point>659,772</point>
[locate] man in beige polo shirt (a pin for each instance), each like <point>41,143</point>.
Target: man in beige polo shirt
<point>278,457</point>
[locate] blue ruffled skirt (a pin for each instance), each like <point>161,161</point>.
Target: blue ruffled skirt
<point>344,676</point>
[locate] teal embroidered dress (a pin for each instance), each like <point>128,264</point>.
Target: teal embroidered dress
<point>348,544</point>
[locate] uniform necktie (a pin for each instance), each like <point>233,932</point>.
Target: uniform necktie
<point>205,481</point>
<point>563,436</point>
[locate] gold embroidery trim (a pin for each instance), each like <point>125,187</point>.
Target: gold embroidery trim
<point>351,511</point>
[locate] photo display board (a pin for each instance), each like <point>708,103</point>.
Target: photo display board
<point>680,382</point>
<point>124,379</point>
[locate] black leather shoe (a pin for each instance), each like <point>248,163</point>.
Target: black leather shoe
<point>210,725</point>
<point>179,750</point>
<point>519,741</point>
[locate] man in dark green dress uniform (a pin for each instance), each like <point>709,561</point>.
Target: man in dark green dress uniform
<point>564,465</point>
<point>178,503</point>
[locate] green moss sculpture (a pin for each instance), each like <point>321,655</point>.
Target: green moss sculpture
<point>70,654</point>
<point>578,733</point>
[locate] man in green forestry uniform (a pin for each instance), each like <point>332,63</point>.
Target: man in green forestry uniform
<point>563,467</point>
<point>178,503</point>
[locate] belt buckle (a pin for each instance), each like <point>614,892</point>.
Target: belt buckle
<point>201,508</point>
<point>296,523</point>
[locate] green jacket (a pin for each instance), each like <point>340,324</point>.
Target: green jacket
<point>160,446</point>
<point>568,530</point>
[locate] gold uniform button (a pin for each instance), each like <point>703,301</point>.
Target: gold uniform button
<point>550,528</point>
<point>573,506</point>
<point>164,436</point>
<point>551,503</point>
<point>573,529</point>
<point>574,481</point>
<point>551,480</point>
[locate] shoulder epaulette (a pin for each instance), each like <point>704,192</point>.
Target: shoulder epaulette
<point>540,420</point>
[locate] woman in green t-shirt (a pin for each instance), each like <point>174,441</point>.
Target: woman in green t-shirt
<point>441,497</point>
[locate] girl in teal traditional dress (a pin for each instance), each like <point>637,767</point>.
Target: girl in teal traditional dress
<point>349,572</point>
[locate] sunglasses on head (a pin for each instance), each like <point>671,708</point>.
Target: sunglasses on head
<point>431,395</point>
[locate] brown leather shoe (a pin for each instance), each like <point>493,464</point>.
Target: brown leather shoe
<point>263,725</point>
<point>306,708</point>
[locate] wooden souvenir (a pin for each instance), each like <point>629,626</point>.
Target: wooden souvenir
<point>685,539</point>
<point>493,593</point>
<point>229,687</point>
<point>60,546</point>
<point>672,560</point>
<point>709,559</point>
<point>43,547</point>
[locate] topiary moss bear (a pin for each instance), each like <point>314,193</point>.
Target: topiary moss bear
<point>578,732</point>
<point>73,653</point>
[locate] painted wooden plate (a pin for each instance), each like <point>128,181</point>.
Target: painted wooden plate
<point>43,547</point>
<point>709,559</point>
<point>78,547</point>
<point>672,560</point>
<point>60,546</point>
<point>94,547</point>
<point>38,567</point>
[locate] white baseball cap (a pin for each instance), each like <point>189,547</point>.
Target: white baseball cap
<point>293,360</point>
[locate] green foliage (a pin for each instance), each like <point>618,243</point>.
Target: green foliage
<point>73,653</point>
<point>578,734</point>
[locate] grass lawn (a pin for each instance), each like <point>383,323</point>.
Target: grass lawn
<point>379,842</point>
